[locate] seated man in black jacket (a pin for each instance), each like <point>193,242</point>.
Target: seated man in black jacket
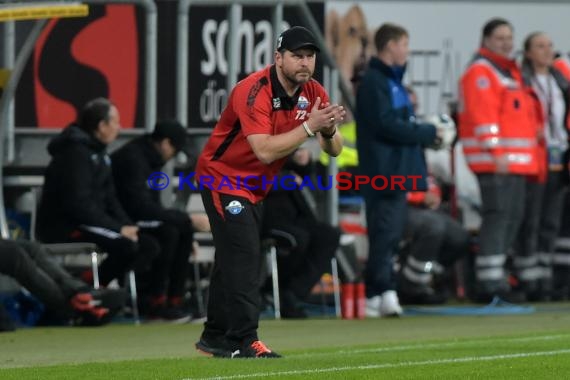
<point>317,242</point>
<point>78,200</point>
<point>133,164</point>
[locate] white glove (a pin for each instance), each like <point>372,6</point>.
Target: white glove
<point>446,130</point>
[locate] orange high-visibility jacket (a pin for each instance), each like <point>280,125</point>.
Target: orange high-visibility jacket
<point>497,116</point>
<point>563,65</point>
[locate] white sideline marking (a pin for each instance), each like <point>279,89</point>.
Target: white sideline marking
<point>467,359</point>
<point>431,345</point>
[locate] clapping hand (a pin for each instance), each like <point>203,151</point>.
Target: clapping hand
<point>325,116</point>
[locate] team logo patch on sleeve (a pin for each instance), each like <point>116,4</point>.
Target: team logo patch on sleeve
<point>276,103</point>
<point>234,207</point>
<point>303,103</point>
<point>483,83</point>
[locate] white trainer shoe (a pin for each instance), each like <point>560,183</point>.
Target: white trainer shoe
<point>373,306</point>
<point>390,305</point>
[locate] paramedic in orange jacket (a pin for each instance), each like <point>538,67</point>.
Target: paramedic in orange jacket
<point>562,64</point>
<point>561,260</point>
<point>498,131</point>
<point>535,256</point>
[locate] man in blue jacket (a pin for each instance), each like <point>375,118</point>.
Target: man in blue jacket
<point>389,142</point>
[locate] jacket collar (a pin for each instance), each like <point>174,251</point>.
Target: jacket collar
<point>394,72</point>
<point>528,73</point>
<point>280,96</point>
<point>73,135</point>
<point>503,62</point>
<point>152,154</point>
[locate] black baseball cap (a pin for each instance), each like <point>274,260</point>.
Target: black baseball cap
<point>172,130</point>
<point>297,37</point>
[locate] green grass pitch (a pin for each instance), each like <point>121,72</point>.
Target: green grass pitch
<point>533,346</point>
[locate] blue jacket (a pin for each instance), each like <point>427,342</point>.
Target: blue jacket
<point>389,140</point>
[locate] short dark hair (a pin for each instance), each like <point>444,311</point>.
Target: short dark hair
<point>93,113</point>
<point>493,24</point>
<point>388,32</point>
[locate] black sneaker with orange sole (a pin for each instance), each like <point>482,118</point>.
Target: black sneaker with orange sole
<point>255,350</point>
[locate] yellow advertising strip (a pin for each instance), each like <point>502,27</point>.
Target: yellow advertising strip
<point>22,12</point>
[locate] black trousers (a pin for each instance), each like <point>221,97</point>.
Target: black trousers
<point>543,215</point>
<point>170,269</point>
<point>30,264</point>
<point>300,269</point>
<point>536,242</point>
<point>234,299</point>
<point>386,219</point>
<point>123,254</point>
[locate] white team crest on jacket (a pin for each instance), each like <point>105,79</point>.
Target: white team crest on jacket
<point>234,207</point>
<point>303,103</point>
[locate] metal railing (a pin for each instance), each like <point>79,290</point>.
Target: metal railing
<point>6,104</point>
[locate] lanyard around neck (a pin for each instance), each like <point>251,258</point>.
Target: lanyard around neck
<point>547,95</point>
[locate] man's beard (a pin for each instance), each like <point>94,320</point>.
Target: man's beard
<point>292,78</point>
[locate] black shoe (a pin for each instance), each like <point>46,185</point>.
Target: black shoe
<point>254,350</point>
<point>217,348</point>
<point>112,299</point>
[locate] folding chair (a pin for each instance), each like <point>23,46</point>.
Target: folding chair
<point>203,255</point>
<point>281,240</point>
<point>82,255</point>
